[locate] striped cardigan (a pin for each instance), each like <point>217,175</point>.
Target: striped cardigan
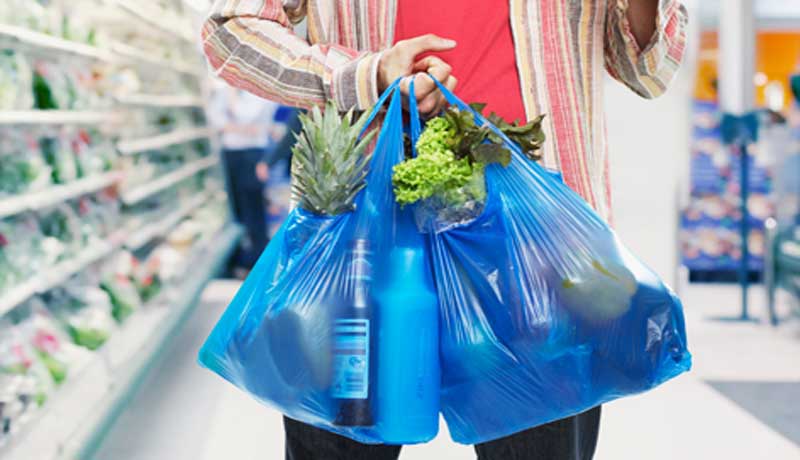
<point>561,48</point>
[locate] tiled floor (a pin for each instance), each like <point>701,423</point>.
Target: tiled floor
<point>185,413</point>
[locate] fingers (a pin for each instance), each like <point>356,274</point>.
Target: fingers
<point>425,43</point>
<point>435,101</point>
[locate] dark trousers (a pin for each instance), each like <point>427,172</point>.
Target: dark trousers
<point>573,438</point>
<point>249,208</point>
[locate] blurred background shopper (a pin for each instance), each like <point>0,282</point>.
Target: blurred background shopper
<point>247,126</point>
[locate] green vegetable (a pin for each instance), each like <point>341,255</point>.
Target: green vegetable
<point>58,370</point>
<point>529,136</point>
<point>435,170</point>
<point>43,93</point>
<point>598,292</point>
<point>125,298</point>
<point>452,152</point>
<point>89,338</point>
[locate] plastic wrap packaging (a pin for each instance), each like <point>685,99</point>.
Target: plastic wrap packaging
<point>337,324</point>
<point>544,314</point>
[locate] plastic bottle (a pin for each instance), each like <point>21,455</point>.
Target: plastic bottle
<point>408,352</point>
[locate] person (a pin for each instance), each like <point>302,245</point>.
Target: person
<point>521,57</point>
<point>247,127</point>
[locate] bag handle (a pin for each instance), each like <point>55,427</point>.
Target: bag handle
<point>378,105</point>
<point>479,119</point>
<point>416,125</point>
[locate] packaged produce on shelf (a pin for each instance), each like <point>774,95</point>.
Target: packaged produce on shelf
<point>25,382</point>
<point>22,166</point>
<point>23,250</point>
<point>99,215</point>
<point>58,153</point>
<point>50,344</point>
<point>37,15</point>
<point>53,89</point>
<point>183,237</point>
<point>85,311</point>
<point>118,283</point>
<point>9,273</point>
<point>91,159</point>
<point>16,81</point>
<point>65,235</point>
<point>75,25</point>
<point>147,276</point>
<point>171,264</point>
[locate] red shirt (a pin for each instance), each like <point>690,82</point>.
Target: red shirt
<point>483,61</point>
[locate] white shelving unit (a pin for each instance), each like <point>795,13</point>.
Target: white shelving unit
<point>133,146</point>
<point>55,117</point>
<point>141,192</point>
<point>162,100</point>
<point>55,276</point>
<point>33,39</point>
<point>72,422</point>
<point>77,413</point>
<point>157,18</point>
<point>55,194</point>
<point>142,56</point>
<point>158,229</point>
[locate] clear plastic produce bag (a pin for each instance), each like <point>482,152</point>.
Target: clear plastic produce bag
<point>337,323</point>
<point>544,314</point>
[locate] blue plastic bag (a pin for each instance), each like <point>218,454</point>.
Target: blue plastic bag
<point>544,314</point>
<point>338,319</point>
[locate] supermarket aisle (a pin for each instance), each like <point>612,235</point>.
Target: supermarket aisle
<point>185,413</point>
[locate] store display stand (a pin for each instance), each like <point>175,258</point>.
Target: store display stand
<point>739,124</point>
<point>740,132</point>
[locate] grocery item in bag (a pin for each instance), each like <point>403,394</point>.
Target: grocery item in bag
<point>322,328</point>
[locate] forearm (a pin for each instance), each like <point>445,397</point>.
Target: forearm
<point>642,16</point>
<point>645,43</point>
<point>252,46</point>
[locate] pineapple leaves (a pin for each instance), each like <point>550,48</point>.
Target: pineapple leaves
<point>331,162</point>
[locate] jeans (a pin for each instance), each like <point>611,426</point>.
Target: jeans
<point>249,207</point>
<point>573,438</point>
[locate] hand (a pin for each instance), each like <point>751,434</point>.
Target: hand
<point>430,100</point>
<point>262,171</point>
<point>401,61</point>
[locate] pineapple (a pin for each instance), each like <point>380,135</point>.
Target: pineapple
<point>330,162</point>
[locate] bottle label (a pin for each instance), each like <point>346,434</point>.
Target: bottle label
<point>351,359</point>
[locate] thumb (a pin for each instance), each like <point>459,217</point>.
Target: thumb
<point>429,42</point>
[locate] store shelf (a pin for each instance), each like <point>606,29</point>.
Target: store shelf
<point>74,398</point>
<point>43,41</point>
<point>55,194</point>
<point>55,276</point>
<point>54,117</point>
<point>145,57</point>
<point>76,417</point>
<point>128,374</point>
<point>18,294</point>
<point>141,192</point>
<point>130,147</point>
<point>162,100</point>
<point>157,17</point>
<point>159,229</point>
